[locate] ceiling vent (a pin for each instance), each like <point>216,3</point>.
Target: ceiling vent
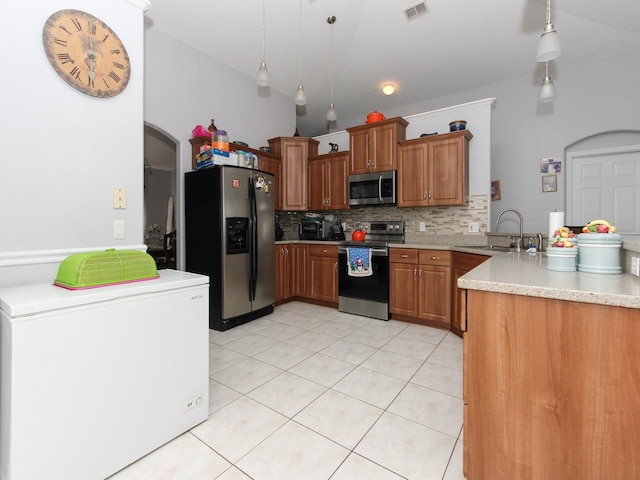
<point>416,10</point>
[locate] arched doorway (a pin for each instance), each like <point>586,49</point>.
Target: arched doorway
<point>603,180</point>
<point>160,187</point>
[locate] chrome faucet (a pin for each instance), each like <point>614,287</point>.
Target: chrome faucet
<point>520,217</point>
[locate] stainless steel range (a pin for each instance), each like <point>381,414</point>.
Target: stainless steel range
<point>368,295</point>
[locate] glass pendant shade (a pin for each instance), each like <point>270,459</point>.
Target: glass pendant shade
<point>547,91</point>
<point>301,98</point>
<point>263,75</point>
<point>548,45</point>
<point>332,114</point>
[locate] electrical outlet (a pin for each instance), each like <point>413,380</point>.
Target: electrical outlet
<point>635,266</point>
<point>423,226</point>
<point>474,227</point>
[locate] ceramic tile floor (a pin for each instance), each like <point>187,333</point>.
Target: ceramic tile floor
<point>311,393</point>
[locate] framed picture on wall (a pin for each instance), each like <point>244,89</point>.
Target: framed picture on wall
<point>550,165</point>
<point>549,183</point>
<point>495,190</point>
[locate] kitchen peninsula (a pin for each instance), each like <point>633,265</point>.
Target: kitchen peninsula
<point>551,372</point>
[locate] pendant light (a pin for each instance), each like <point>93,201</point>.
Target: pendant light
<point>301,98</point>
<point>549,43</point>
<point>263,73</point>
<point>332,114</point>
<point>547,91</point>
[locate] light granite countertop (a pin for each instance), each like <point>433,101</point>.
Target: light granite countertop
<point>526,274</point>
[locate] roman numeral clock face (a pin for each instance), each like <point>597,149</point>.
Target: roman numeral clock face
<point>86,53</point>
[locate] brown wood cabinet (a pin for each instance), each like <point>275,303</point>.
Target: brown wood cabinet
<point>373,146</point>
<point>461,264</point>
<point>420,285</point>
<point>283,272</point>
<point>328,181</point>
<point>551,389</point>
<point>322,273</point>
<point>434,170</point>
<point>301,260</point>
<point>294,152</point>
<point>291,271</point>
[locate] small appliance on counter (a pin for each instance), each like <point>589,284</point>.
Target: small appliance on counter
<point>317,227</point>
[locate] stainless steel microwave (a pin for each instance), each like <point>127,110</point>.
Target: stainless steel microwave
<point>377,188</point>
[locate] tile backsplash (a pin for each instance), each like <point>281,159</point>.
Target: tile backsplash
<point>438,220</point>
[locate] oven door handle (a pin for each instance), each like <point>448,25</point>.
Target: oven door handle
<point>375,252</point>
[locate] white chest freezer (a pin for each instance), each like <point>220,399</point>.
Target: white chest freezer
<point>92,380</point>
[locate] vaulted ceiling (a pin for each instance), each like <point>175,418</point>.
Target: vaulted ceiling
<point>456,46</point>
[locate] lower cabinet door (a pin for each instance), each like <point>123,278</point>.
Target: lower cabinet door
<point>435,294</point>
<point>323,278</point>
<point>403,294</point>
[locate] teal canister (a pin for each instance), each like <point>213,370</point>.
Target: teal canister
<point>600,253</point>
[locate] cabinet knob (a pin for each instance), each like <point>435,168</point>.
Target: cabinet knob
<point>335,266</point>
<point>420,273</point>
<point>324,250</point>
<point>429,194</point>
<point>414,273</point>
<point>424,196</point>
<point>404,255</point>
<point>435,258</point>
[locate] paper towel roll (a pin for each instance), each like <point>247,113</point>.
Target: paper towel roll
<point>556,220</point>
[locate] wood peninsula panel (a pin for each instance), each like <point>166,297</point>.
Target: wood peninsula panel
<point>551,389</point>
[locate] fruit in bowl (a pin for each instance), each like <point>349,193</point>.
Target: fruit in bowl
<point>599,226</point>
<point>563,237</point>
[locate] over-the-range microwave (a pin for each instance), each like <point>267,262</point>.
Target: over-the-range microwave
<point>377,188</point>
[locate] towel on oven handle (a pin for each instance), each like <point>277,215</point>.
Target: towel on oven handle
<point>359,262</point>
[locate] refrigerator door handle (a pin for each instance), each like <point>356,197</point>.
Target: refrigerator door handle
<point>253,281</point>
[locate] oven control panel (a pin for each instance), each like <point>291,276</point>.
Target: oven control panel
<point>393,227</point>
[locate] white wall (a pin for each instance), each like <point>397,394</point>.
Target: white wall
<point>62,152</point>
<point>185,88</point>
<point>592,98</point>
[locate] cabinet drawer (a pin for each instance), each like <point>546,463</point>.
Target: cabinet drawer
<point>323,250</point>
<point>435,257</point>
<point>403,255</point>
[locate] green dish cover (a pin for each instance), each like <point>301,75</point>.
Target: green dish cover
<point>97,269</point>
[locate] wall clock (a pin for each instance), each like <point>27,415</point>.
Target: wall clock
<point>86,53</point>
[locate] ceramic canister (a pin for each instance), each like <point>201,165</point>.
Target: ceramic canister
<point>599,253</point>
<point>562,259</point>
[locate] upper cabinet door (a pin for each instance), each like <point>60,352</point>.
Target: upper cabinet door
<point>294,152</point>
<point>373,146</point>
<point>336,176</point>
<point>383,141</point>
<point>448,171</point>
<point>360,156</point>
<point>412,175</point>
<point>434,171</point>
<point>317,184</point>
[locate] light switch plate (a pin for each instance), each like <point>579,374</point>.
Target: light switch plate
<point>474,227</point>
<point>118,229</point>
<point>119,198</point>
<point>635,266</point>
<point>423,226</point>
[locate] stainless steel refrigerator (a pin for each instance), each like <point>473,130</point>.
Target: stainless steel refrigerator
<point>229,236</point>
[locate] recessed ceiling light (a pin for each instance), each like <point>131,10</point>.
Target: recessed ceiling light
<point>388,89</point>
